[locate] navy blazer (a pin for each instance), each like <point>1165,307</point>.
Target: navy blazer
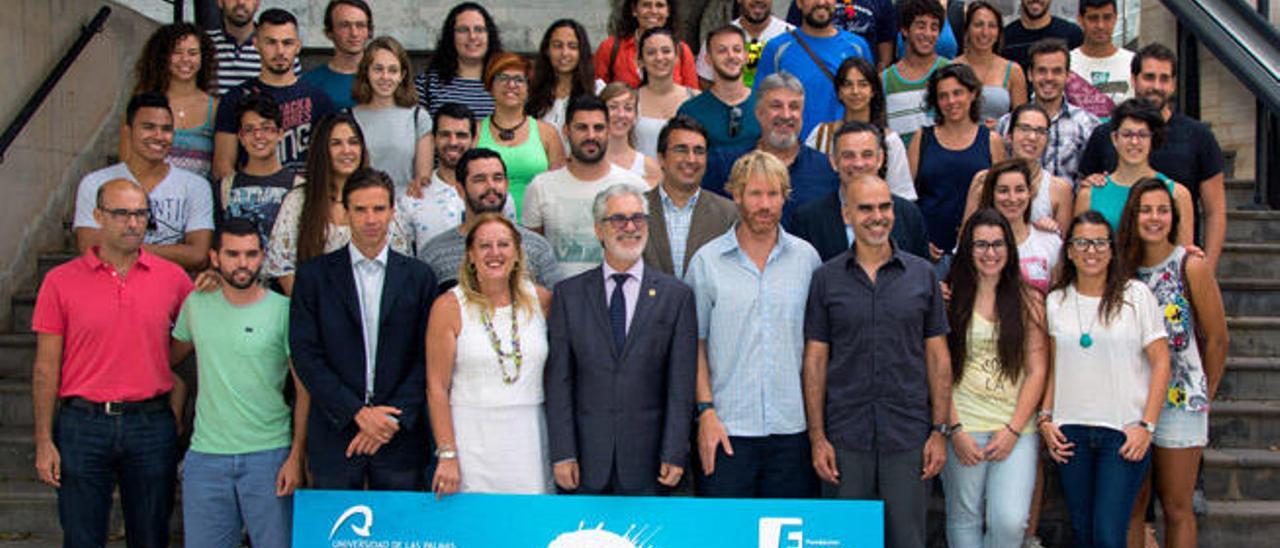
<point>821,224</point>
<point>633,407</point>
<point>326,339</point>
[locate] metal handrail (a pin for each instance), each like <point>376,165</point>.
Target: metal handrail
<point>33,104</point>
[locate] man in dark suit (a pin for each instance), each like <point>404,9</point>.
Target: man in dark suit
<point>859,150</point>
<point>620,374</point>
<point>682,216</point>
<point>356,330</point>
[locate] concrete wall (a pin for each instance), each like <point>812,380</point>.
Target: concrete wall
<point>70,135</point>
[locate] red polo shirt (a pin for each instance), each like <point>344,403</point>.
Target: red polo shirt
<point>115,331</point>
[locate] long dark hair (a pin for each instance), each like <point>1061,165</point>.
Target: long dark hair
<point>1113,291</point>
<point>869,72</point>
<point>644,38</point>
<point>152,68</point>
<point>445,61</point>
<point>313,222</point>
<point>971,10</point>
<point>542,88</point>
<point>624,24</point>
<point>1009,165</point>
<point>1130,241</point>
<point>1011,316</point>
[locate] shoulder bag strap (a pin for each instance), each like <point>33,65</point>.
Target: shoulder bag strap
<point>816,60</point>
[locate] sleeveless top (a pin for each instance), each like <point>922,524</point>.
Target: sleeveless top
<point>996,101</point>
<point>192,148</point>
<point>904,100</point>
<point>942,181</point>
<point>647,129</point>
<point>523,160</point>
<point>1042,202</point>
<point>477,374</point>
<point>984,398</point>
<point>1109,199</point>
<point>1188,388</point>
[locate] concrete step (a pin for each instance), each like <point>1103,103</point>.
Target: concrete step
<point>30,509</point>
<point>1239,192</point>
<point>17,354</point>
<point>1240,296</point>
<point>1249,260</point>
<point>47,261</point>
<point>1244,424</point>
<point>1240,523</point>
<point>1256,378</point>
<point>15,403</point>
<point>1242,474</point>
<point>1254,335</point>
<point>23,306</point>
<point>1253,226</point>
<point>17,455</point>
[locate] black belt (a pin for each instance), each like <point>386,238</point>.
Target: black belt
<point>157,403</point>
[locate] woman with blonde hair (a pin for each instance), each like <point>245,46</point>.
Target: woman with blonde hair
<point>397,131</point>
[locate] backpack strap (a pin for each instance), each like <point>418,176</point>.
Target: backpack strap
<point>816,60</point>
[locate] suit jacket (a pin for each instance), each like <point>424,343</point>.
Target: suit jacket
<point>633,407</point>
<point>326,339</point>
<point>712,216</point>
<point>820,223</point>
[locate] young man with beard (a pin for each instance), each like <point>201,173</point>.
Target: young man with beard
<point>246,455</point>
<point>812,53</point>
<point>726,110</point>
<point>557,204</point>
<point>1101,67</point>
<point>874,20</point>
<point>759,26</point>
<point>905,82</point>
<point>750,284</point>
<point>1033,25</point>
<point>483,179</point>
<point>238,60</point>
<point>348,24</point>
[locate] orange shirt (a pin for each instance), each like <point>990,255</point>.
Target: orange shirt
<point>626,70</point>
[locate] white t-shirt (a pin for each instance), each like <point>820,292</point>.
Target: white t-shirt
<point>776,27</point>
<point>1109,74</point>
<point>181,203</point>
<point>1106,384</point>
<point>560,205</point>
<point>1038,256</point>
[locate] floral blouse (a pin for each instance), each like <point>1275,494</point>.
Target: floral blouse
<point>282,248</point>
<point>1188,387</point>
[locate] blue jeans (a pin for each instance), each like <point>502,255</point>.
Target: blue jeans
<point>775,467</point>
<point>1100,486</point>
<point>138,449</point>
<point>1004,488</point>
<point>221,493</point>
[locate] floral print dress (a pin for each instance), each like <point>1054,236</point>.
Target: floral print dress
<point>1188,388</point>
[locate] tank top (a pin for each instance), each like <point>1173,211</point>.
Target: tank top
<point>1188,388</point>
<point>192,148</point>
<point>995,99</point>
<point>1109,199</point>
<point>477,374</point>
<point>984,398</point>
<point>942,182</point>
<point>1042,202</point>
<point>523,160</point>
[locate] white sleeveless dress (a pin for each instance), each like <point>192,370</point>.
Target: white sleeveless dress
<point>500,429</point>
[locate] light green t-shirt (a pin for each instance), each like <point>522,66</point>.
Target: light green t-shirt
<point>243,355</point>
<point>984,398</point>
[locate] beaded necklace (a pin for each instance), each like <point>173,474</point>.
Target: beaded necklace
<point>515,356</point>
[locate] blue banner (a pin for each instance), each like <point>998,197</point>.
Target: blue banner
<point>363,519</point>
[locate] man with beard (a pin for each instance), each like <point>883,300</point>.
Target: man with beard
<point>780,105</point>
<point>874,20</point>
<point>759,26</point>
<point>905,82</point>
<point>726,111</point>
<point>246,455</point>
<point>1033,25</point>
<point>301,104</point>
<point>557,204</point>
<point>484,185</point>
<point>237,58</point>
<point>813,53</point>
<point>1189,155</point>
<point>750,284</point>
<point>621,366</point>
<point>878,413</point>
<point>348,24</point>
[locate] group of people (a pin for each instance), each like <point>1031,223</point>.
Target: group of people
<point>799,266</point>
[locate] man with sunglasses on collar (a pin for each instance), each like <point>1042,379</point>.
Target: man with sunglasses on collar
<point>726,111</point>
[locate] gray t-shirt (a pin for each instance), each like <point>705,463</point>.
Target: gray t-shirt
<point>444,253</point>
<point>181,203</point>
<point>391,135</point>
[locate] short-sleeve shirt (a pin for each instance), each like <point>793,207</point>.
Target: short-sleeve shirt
<point>244,362</point>
<point>433,93</point>
<point>1190,153</point>
<point>560,205</point>
<point>257,199</point>
<point>238,63</point>
<point>1038,257</point>
<point>1018,39</point>
<point>876,21</point>
<point>444,253</point>
<point>114,329</point>
<point>335,85</point>
<point>626,70</point>
<point>391,136</point>
<point>718,119</point>
<point>181,203</point>
<point>754,47</point>
<point>301,106</point>
<point>1069,131</point>
<point>877,396</point>
<point>1103,84</point>
<point>785,54</point>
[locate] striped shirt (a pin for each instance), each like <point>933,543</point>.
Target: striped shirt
<point>678,220</point>
<point>238,63</point>
<point>904,100</point>
<point>432,94</point>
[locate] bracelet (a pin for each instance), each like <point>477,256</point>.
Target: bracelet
<point>1011,430</point>
<point>446,451</point>
<point>1043,416</point>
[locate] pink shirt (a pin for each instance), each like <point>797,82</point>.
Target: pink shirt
<point>115,331</point>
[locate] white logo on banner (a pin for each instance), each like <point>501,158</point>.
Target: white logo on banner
<point>599,537</point>
<point>361,530</point>
<point>781,533</point>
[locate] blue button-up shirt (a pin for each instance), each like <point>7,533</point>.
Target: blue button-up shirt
<point>679,219</point>
<point>753,325</point>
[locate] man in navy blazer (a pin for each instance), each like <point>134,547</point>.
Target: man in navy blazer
<point>367,426</point>
<point>620,373</point>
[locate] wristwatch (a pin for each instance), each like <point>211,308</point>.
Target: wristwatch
<point>702,407</point>
<point>947,429</point>
<point>1151,428</point>
<point>446,452</point>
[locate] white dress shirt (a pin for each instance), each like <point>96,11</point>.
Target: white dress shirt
<point>369,276</point>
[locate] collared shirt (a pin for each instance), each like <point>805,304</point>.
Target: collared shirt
<point>1069,132</point>
<point>877,394</point>
<point>439,210</point>
<point>678,220</point>
<point>630,287</point>
<point>369,275</point>
<point>114,329</point>
<point>752,322</point>
<point>238,62</point>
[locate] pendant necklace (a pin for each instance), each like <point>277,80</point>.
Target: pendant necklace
<point>507,133</point>
<point>515,356</point>
<point>1086,340</point>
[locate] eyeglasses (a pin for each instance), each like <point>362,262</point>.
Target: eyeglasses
<point>983,246</point>
<point>619,221</point>
<point>122,214</point>
<point>1085,244</point>
<point>1038,131</point>
<point>685,150</point>
<point>510,79</point>
<point>1134,135</point>
<point>265,129</point>
<point>478,29</point>
<point>735,121</point>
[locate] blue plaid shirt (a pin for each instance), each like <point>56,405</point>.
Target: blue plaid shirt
<point>678,221</point>
<point>1069,132</point>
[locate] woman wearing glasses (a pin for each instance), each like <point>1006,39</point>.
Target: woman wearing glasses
<point>1110,368</point>
<point>528,146</point>
<point>467,42</point>
<point>621,101</point>
<point>1052,198</point>
<point>1187,292</point>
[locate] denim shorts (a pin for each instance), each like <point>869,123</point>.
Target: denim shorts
<point>1181,429</point>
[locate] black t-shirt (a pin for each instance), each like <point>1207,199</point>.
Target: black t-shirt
<point>301,106</point>
<point>1018,40</point>
<point>1189,155</point>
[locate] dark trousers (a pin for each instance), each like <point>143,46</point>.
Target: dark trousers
<point>137,449</point>
<point>615,487</point>
<point>776,467</point>
<point>895,479</point>
<point>1100,486</point>
<point>368,472</point>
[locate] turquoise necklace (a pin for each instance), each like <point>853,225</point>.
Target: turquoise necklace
<point>1086,340</point>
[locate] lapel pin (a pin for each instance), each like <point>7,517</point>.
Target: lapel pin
<point>653,292</point>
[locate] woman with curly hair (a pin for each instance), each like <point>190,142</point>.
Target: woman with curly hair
<point>562,70</point>
<point>467,43</point>
<point>178,61</point>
